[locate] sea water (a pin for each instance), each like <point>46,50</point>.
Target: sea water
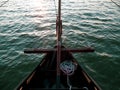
<point>86,23</point>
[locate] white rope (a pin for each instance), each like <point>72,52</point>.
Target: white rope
<point>85,88</point>
<point>68,67</point>
<point>68,83</point>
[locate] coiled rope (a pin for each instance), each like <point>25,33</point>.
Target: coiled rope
<point>68,67</point>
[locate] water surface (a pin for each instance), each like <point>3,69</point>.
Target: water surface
<point>31,24</point>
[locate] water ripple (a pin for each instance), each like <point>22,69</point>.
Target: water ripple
<point>31,24</point>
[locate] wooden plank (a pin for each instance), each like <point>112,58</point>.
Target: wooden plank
<point>63,49</point>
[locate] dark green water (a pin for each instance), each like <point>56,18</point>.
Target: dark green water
<point>31,24</point>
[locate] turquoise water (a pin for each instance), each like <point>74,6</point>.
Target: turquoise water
<point>31,24</point>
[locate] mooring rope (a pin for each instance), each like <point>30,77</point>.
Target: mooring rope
<point>55,7</point>
<point>115,3</point>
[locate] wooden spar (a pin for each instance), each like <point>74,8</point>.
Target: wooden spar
<point>59,44</point>
<point>82,50</point>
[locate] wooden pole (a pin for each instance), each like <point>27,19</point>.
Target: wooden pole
<point>82,50</point>
<point>59,27</point>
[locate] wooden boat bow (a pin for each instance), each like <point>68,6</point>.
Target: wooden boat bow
<point>54,71</point>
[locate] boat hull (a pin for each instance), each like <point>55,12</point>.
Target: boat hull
<point>44,75</point>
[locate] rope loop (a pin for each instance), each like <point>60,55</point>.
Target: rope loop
<point>68,67</point>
